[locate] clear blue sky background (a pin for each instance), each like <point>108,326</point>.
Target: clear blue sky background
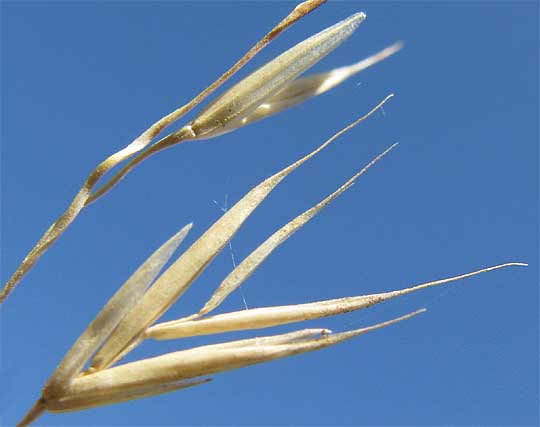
<point>81,80</point>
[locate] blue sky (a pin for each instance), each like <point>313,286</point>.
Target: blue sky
<point>81,80</point>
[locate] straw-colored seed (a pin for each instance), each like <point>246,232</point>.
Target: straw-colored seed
<point>265,317</point>
<point>247,95</point>
<point>304,88</point>
<point>248,100</point>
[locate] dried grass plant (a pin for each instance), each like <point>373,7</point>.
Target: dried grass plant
<point>91,374</point>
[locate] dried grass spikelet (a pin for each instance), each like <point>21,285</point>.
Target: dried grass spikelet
<point>302,89</point>
<point>256,97</point>
<point>290,94</point>
<point>266,317</point>
<point>128,319</point>
<point>196,362</point>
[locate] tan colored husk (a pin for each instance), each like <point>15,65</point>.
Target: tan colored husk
<point>84,196</point>
<point>107,319</point>
<point>265,317</point>
<point>234,108</point>
<point>304,88</point>
<point>248,94</point>
<point>289,337</point>
<point>280,339</point>
<point>177,279</point>
<point>80,402</point>
<point>257,257</point>
<point>194,363</point>
<point>285,338</point>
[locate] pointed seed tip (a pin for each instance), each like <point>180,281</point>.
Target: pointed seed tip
<point>356,19</point>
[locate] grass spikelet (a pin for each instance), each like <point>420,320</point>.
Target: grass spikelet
<point>247,95</point>
<point>193,363</point>
<point>89,375</point>
<point>265,317</point>
<point>304,88</point>
<point>233,109</point>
